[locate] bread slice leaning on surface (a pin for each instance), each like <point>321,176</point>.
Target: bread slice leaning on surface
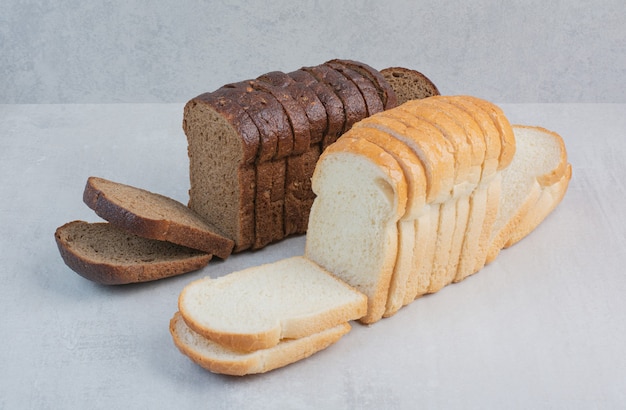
<point>361,194</point>
<point>409,84</point>
<point>549,199</point>
<point>540,160</point>
<point>256,308</point>
<point>153,216</point>
<point>219,359</point>
<point>105,254</point>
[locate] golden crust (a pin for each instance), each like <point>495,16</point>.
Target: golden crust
<point>218,359</point>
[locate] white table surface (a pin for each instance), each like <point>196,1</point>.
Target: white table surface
<point>544,326</point>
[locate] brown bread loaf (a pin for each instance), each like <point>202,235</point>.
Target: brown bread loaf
<point>295,115</point>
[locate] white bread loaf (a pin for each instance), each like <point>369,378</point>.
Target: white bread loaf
<point>255,308</point>
<point>398,174</point>
<point>219,359</point>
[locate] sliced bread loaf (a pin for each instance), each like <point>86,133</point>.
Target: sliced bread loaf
<point>256,308</point>
<point>219,359</point>
<point>257,189</point>
<point>105,254</point>
<point>154,216</point>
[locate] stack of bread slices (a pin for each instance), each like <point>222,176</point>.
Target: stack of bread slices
<point>408,201</point>
<point>253,144</point>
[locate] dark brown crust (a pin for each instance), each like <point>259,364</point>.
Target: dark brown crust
<point>209,240</point>
<point>223,103</point>
<point>387,93</point>
<point>300,127</point>
<point>277,138</point>
<point>264,110</point>
<point>353,103</point>
<point>299,196</point>
<point>369,92</point>
<point>118,274</point>
<point>308,100</point>
<point>330,101</point>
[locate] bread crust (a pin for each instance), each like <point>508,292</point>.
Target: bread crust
<point>218,359</point>
<point>131,209</point>
<point>331,102</point>
<point>507,139</point>
<point>223,101</point>
<point>386,91</point>
<point>270,331</point>
<point>97,264</point>
<point>351,144</point>
<point>371,97</point>
<point>352,100</point>
<point>429,144</point>
<point>306,97</point>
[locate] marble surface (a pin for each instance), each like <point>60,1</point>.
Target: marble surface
<point>544,326</point>
<point>135,51</point>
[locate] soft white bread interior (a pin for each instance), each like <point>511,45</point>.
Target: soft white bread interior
<point>219,359</point>
<point>361,194</point>
<point>257,307</point>
<point>540,161</point>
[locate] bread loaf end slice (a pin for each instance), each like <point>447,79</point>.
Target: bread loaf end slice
<point>409,84</point>
<point>256,308</point>
<point>107,255</point>
<point>219,359</point>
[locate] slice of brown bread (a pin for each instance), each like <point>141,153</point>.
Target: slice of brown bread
<point>353,104</point>
<point>154,216</point>
<point>222,145</point>
<point>409,84</point>
<point>370,94</point>
<point>313,107</point>
<point>276,138</point>
<point>300,127</point>
<point>105,254</point>
<point>385,90</point>
<point>298,196</point>
<point>333,105</point>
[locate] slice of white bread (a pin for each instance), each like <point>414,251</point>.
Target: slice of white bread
<point>483,201</point>
<point>105,254</point>
<point>540,161</point>
<point>153,216</point>
<point>550,197</point>
<point>361,194</point>
<point>436,153</point>
<point>257,307</point>
<point>415,209</point>
<point>218,359</point>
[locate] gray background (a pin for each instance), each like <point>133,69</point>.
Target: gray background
<point>140,51</point>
